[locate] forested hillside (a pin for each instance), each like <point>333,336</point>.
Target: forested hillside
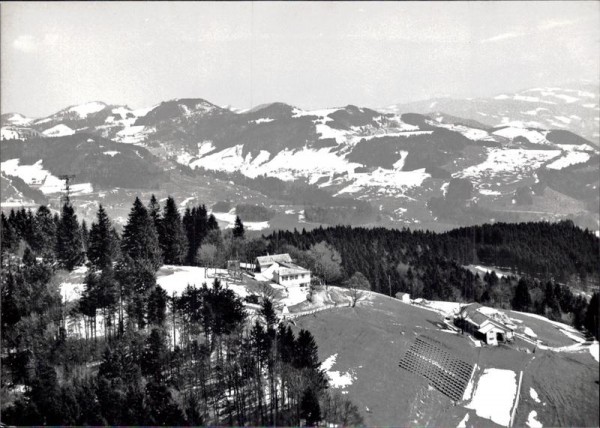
<point>218,368</point>
<point>221,366</point>
<point>542,256</point>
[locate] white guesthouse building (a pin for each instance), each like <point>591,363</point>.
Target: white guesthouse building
<point>281,269</point>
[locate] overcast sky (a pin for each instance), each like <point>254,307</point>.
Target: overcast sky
<point>313,54</point>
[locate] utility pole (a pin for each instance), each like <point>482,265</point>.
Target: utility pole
<point>67,178</point>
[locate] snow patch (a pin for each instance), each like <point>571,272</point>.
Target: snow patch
<point>494,395</point>
<point>58,131</point>
<point>111,153</point>
<point>19,120</point>
<point>175,279</point>
<point>134,134</point>
<point>511,132</point>
<point>508,162</point>
<point>532,422</point>
<point>337,379</point>
<point>390,182</point>
<point>287,165</point>
<point>594,351</point>
<point>9,134</point>
<point>488,192</point>
<point>534,395</point>
<point>571,158</point>
<point>36,176</point>
<point>463,422</point>
<point>261,120</point>
<point>84,110</point>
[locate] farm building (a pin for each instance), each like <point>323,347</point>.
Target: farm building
<point>281,269</point>
<point>479,321</point>
<point>405,297</point>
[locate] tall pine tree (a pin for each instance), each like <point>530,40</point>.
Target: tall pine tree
<point>238,228</point>
<point>44,231</point>
<point>69,245</point>
<point>101,247</point>
<point>172,238</point>
<point>154,211</point>
<point>140,240</point>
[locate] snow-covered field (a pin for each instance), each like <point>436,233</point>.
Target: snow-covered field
<point>287,165</point>
<point>229,219</point>
<point>571,158</point>
<point>134,134</point>
<point>37,176</point>
<point>58,131</point>
<point>84,110</point>
<point>387,181</point>
<point>18,119</point>
<point>502,161</point>
<point>470,133</point>
<point>445,308</point>
<point>9,134</point>
<point>511,132</point>
<point>495,395</point>
<point>175,279</point>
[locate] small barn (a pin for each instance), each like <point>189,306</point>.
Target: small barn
<point>476,322</point>
<point>281,269</point>
<point>404,297</point>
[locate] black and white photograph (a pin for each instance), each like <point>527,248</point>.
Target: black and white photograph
<point>300,213</point>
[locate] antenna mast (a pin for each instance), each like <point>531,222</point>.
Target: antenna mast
<point>67,178</point>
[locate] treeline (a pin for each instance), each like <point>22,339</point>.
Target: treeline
<point>157,360</point>
<point>540,249</point>
<point>431,265</point>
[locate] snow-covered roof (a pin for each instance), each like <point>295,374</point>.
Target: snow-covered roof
<point>265,261</point>
<point>478,315</point>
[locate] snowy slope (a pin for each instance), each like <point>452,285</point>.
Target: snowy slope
<point>58,131</point>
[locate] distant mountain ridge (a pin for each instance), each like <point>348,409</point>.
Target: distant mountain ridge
<point>574,108</point>
<point>407,165</point>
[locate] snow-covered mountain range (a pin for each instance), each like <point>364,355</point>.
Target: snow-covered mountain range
<point>574,108</point>
<point>463,161</point>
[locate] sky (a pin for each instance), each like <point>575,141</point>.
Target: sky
<point>308,54</point>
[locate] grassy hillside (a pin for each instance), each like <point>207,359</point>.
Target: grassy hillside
<point>370,339</point>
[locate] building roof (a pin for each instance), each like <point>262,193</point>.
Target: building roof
<point>474,315</point>
<point>275,258</point>
<point>490,325</point>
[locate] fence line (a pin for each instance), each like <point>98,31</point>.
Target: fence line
<point>312,311</point>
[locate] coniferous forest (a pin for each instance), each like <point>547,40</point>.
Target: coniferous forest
<point>221,367</point>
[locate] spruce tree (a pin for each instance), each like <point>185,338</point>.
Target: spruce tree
<point>154,211</point>
<point>44,231</point>
<point>172,237</point>
<point>310,410</point>
<point>157,306</point>
<point>69,245</point>
<point>101,247</point>
<point>140,240</point>
<point>238,228</point>
<point>212,223</point>
<point>522,299</point>
<point>9,240</point>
